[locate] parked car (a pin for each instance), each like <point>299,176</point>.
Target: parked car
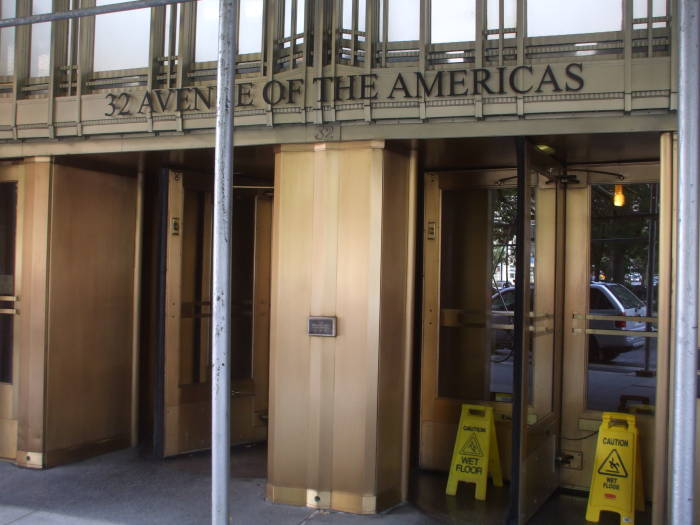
<point>605,299</point>
<point>503,284</point>
<point>614,299</point>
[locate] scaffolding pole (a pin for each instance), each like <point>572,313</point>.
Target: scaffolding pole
<point>684,388</point>
<point>87,11</point>
<point>221,308</point>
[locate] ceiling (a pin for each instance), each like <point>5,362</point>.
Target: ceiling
<point>499,152</point>
<point>256,163</point>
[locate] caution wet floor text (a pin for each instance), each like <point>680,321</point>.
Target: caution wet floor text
<point>475,455</point>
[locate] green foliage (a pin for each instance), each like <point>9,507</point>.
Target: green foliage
<point>620,236</point>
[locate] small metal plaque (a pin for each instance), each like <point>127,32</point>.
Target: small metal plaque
<point>322,326</point>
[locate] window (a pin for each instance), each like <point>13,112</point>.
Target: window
<point>554,17</point>
<point>627,299</point>
<point>293,7</point>
<point>171,38</point>
<point>250,32</point>
<point>404,20</point>
<point>452,22</point>
<point>494,23</point>
<point>121,39</point>
<point>7,39</point>
<point>640,10</point>
<point>206,42</point>
<point>348,14</point>
<point>598,300</point>
<point>40,56</point>
<point>503,301</point>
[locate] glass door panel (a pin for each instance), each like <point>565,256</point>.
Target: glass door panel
<point>613,220</point>
<point>537,355</point>
<point>458,346</point>
<point>464,295</point>
<point>10,249</point>
<point>485,340</point>
<point>187,347</point>
<point>622,309</point>
<point>8,223</point>
<point>503,233</point>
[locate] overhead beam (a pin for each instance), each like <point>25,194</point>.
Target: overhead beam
<point>87,11</point>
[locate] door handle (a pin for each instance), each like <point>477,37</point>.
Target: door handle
<point>9,299</point>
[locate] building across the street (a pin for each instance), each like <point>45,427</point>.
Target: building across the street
<point>400,165</point>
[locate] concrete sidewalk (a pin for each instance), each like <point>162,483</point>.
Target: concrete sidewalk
<point>123,488</point>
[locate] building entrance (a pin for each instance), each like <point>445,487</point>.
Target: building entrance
<point>10,264</point>
<point>188,301</point>
<point>541,299</point>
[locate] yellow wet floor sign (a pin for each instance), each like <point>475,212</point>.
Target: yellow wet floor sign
<point>475,454</point>
<point>617,474</point>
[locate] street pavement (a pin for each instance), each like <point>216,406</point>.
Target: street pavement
<point>125,488</point>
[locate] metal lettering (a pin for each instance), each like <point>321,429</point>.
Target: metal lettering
<point>453,83</point>
<point>269,91</point>
<point>481,80</point>
<point>400,85</point>
<point>244,92</point>
<point>123,99</point>
<point>573,76</point>
<point>428,91</point>
<point>514,74</point>
<point>111,104</point>
<point>548,77</point>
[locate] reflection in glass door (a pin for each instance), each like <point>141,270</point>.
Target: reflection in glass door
<point>503,232</point>
<point>622,309</point>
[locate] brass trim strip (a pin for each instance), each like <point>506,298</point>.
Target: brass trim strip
<point>469,324</point>
<point>638,318</point>
<point>535,331</point>
<point>503,326</point>
<point>9,311</point>
<point>541,331</point>
<point>531,315</point>
<point>13,298</point>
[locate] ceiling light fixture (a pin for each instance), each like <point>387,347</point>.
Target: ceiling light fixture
<point>619,196</point>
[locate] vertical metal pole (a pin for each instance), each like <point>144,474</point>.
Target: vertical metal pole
<point>649,278</point>
<point>221,308</point>
<point>520,318</point>
<point>684,388</point>
<point>136,328</point>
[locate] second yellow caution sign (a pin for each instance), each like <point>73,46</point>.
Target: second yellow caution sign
<point>475,454</point>
<point>617,474</point>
